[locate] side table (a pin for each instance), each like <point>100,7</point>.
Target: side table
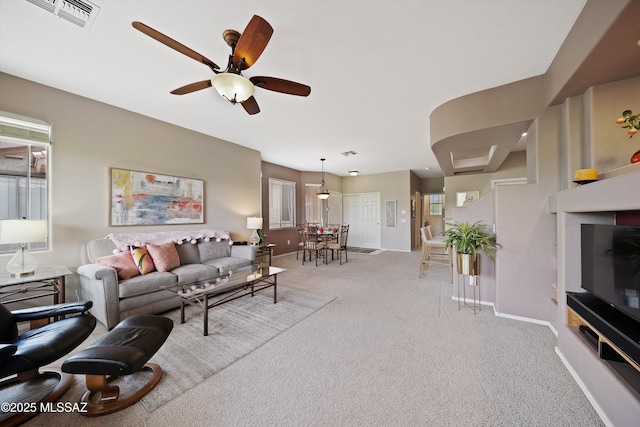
<point>265,251</point>
<point>45,281</point>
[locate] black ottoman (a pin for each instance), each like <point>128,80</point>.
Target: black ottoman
<point>124,350</point>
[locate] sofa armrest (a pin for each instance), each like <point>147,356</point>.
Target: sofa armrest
<point>244,251</point>
<point>100,285</point>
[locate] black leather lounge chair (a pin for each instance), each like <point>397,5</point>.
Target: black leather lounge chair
<point>23,356</point>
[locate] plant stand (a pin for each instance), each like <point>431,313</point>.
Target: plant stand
<point>475,305</point>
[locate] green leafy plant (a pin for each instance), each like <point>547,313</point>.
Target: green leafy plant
<point>466,238</point>
<point>263,237</point>
<point>629,121</point>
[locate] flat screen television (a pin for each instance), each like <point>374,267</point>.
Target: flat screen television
<point>611,265</point>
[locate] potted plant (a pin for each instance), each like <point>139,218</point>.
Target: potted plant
<point>631,122</point>
<point>263,237</point>
<point>467,240</point>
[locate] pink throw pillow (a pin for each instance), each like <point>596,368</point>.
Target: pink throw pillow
<point>142,259</point>
<point>165,256</point>
<point>122,262</point>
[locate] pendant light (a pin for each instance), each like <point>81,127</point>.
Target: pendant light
<point>322,192</point>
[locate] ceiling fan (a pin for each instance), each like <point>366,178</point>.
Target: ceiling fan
<point>246,48</point>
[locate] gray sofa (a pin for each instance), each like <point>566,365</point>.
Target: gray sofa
<point>114,298</point>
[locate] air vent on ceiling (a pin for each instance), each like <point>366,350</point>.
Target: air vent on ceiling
<point>80,12</point>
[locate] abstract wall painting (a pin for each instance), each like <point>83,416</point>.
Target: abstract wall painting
<point>143,198</point>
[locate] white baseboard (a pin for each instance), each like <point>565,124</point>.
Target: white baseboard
<point>526,319</point>
<point>471,301</point>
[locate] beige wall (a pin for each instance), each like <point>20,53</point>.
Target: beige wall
<point>391,186</point>
<point>90,137</point>
<point>611,147</point>
<point>432,185</point>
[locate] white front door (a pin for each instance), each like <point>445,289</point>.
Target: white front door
<point>362,213</point>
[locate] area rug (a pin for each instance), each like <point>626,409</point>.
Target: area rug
<point>235,330</point>
<point>360,250</point>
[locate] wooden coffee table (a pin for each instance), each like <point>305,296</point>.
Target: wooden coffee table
<point>226,287</point>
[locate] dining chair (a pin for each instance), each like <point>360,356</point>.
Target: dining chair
<point>300,229</point>
<point>313,246</point>
<point>341,244</point>
<point>428,243</point>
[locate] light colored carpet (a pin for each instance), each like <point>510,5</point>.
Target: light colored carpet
<point>187,357</point>
<point>391,350</point>
<point>235,330</point>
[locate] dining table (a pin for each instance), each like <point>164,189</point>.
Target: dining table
<point>324,235</point>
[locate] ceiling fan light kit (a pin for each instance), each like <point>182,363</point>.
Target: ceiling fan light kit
<point>233,87</point>
<point>246,48</point>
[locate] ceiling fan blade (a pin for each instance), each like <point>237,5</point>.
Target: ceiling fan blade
<point>173,44</point>
<point>251,106</point>
<point>192,87</point>
<point>252,42</point>
<point>281,85</point>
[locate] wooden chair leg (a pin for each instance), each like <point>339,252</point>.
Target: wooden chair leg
<point>423,260</point>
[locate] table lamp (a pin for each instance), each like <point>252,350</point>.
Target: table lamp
<point>254,224</point>
<point>22,231</point>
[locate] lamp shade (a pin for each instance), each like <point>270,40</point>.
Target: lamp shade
<point>254,223</point>
<point>233,87</point>
<point>21,231</point>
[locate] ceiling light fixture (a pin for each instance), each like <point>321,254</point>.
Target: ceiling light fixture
<point>353,173</point>
<point>233,87</point>
<point>322,192</point>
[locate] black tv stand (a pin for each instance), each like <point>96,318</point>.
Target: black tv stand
<point>615,335</point>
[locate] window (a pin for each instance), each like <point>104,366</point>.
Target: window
<point>24,154</point>
<point>435,204</point>
<point>282,204</point>
<point>312,205</point>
